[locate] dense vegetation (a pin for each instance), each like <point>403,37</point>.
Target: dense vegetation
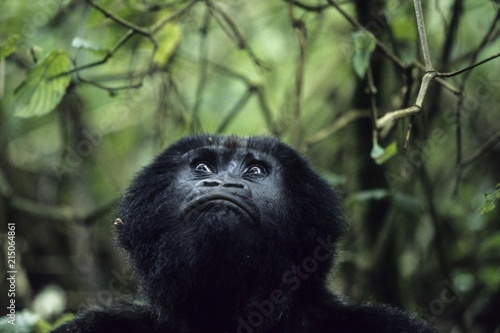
<point>92,90</point>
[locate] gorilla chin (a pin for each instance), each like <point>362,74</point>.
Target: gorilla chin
<point>227,235</point>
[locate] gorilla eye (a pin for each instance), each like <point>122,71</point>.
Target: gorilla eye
<point>255,170</point>
<point>203,167</point>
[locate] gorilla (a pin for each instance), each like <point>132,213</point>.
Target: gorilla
<point>231,234</point>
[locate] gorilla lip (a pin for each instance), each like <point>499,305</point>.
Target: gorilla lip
<point>249,210</point>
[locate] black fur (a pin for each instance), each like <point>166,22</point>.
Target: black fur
<point>233,234</point>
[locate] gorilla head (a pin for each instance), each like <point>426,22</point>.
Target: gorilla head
<point>217,224</point>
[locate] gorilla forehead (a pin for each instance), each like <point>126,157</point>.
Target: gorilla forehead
<point>267,145</point>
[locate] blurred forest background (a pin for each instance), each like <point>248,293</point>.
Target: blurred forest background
<point>91,90</point>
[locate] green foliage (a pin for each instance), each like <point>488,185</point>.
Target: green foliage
<point>490,276</point>
<point>169,37</point>
<point>9,46</point>
<point>42,90</point>
<point>237,63</point>
<point>42,326</point>
<point>491,199</point>
<point>364,45</point>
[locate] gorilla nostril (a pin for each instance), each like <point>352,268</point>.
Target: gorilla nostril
<point>234,185</point>
<point>210,183</point>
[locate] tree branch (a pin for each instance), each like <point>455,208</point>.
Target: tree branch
<point>422,35</point>
<point>468,68</point>
<point>480,151</point>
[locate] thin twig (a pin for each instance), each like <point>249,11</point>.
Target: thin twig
<point>461,100</point>
<point>445,84</point>
<point>422,35</point>
<point>301,33</point>
<point>372,90</point>
<point>393,57</point>
<point>480,151</point>
<point>451,32</point>
<point>202,80</point>
<point>119,20</point>
<point>340,123</point>
<point>235,109</point>
<point>232,31</point>
<point>105,59</point>
<point>468,68</point>
<point>133,30</point>
<point>309,8</point>
<point>158,25</point>
<point>255,89</point>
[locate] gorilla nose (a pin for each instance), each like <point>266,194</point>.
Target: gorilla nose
<point>215,183</point>
<point>226,185</point>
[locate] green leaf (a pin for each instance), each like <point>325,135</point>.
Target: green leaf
<point>9,46</point>
<point>41,91</point>
<point>168,38</point>
<point>364,45</point>
<point>491,199</point>
<point>382,155</point>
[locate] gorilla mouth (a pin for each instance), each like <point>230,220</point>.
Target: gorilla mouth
<point>220,200</point>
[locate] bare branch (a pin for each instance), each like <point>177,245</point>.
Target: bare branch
<point>231,30</point>
<point>133,30</point>
<point>203,71</point>
<point>119,20</point>
<point>301,33</point>
<point>426,80</point>
<point>235,109</point>
<point>480,151</point>
<point>461,100</point>
<point>422,35</point>
<point>158,25</point>
<point>307,7</point>
<point>254,89</point>
<point>389,118</point>
<point>340,123</point>
<point>393,57</point>
<point>468,68</point>
<point>439,80</point>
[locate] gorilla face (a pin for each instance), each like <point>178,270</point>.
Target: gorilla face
<point>226,186</point>
<point>216,222</point>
